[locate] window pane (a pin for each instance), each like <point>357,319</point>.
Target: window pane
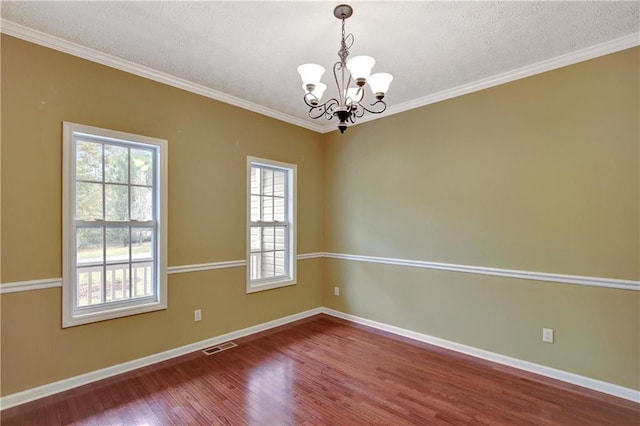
<point>89,245</point>
<point>255,180</point>
<point>116,164</point>
<point>142,243</point>
<point>116,198</point>
<point>255,263</point>
<point>118,244</point>
<point>280,238</point>
<point>279,179</point>
<point>255,238</point>
<point>117,282</point>
<point>278,209</point>
<point>255,208</point>
<point>142,279</point>
<point>88,201</point>
<point>89,285</point>
<point>279,263</point>
<point>268,269</point>
<point>268,238</point>
<point>141,167</point>
<point>89,161</point>
<point>141,203</point>
<point>267,209</point>
<point>267,182</point>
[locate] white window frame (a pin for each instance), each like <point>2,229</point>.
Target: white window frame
<point>71,314</point>
<point>291,253</point>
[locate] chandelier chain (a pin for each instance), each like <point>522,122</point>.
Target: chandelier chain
<point>346,42</point>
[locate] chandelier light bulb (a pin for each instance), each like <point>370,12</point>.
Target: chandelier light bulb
<point>311,73</point>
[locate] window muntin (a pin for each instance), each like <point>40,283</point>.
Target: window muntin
<point>271,224</point>
<point>115,224</point>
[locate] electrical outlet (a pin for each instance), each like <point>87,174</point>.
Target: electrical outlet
<point>336,291</point>
<point>547,335</point>
<point>197,315</point>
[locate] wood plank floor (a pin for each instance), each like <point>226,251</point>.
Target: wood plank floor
<point>326,371</point>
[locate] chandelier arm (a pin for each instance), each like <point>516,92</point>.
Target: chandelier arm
<point>359,94</point>
<point>322,110</point>
<point>316,113</point>
<point>331,104</point>
<point>382,104</point>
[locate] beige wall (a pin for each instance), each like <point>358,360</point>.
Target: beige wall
<point>541,174</point>
<point>208,145</point>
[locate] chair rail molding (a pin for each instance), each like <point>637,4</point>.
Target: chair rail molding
<point>483,270</point>
<point>18,286</point>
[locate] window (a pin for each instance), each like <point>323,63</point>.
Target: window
<point>271,236</point>
<point>114,224</point>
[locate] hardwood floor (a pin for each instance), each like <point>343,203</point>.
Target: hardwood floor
<point>325,371</point>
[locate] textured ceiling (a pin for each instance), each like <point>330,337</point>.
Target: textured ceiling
<point>250,50</point>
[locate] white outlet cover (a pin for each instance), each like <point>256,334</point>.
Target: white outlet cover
<point>547,335</point>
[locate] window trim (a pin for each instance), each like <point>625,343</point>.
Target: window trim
<point>72,316</point>
<point>254,286</point>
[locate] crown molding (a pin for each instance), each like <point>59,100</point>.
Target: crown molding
<point>606,48</point>
<point>65,46</point>
<point>56,43</point>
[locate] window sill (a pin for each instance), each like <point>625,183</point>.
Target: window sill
<point>71,320</point>
<point>256,287</point>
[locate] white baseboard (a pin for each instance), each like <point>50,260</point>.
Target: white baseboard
<point>83,379</point>
<point>586,382</point>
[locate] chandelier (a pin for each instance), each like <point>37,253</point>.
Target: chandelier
<point>348,106</point>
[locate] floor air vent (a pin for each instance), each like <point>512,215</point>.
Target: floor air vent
<point>218,348</point>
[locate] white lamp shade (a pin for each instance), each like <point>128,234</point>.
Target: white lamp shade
<point>352,93</point>
<point>311,73</point>
<point>360,66</point>
<point>318,91</point>
<point>379,82</point>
